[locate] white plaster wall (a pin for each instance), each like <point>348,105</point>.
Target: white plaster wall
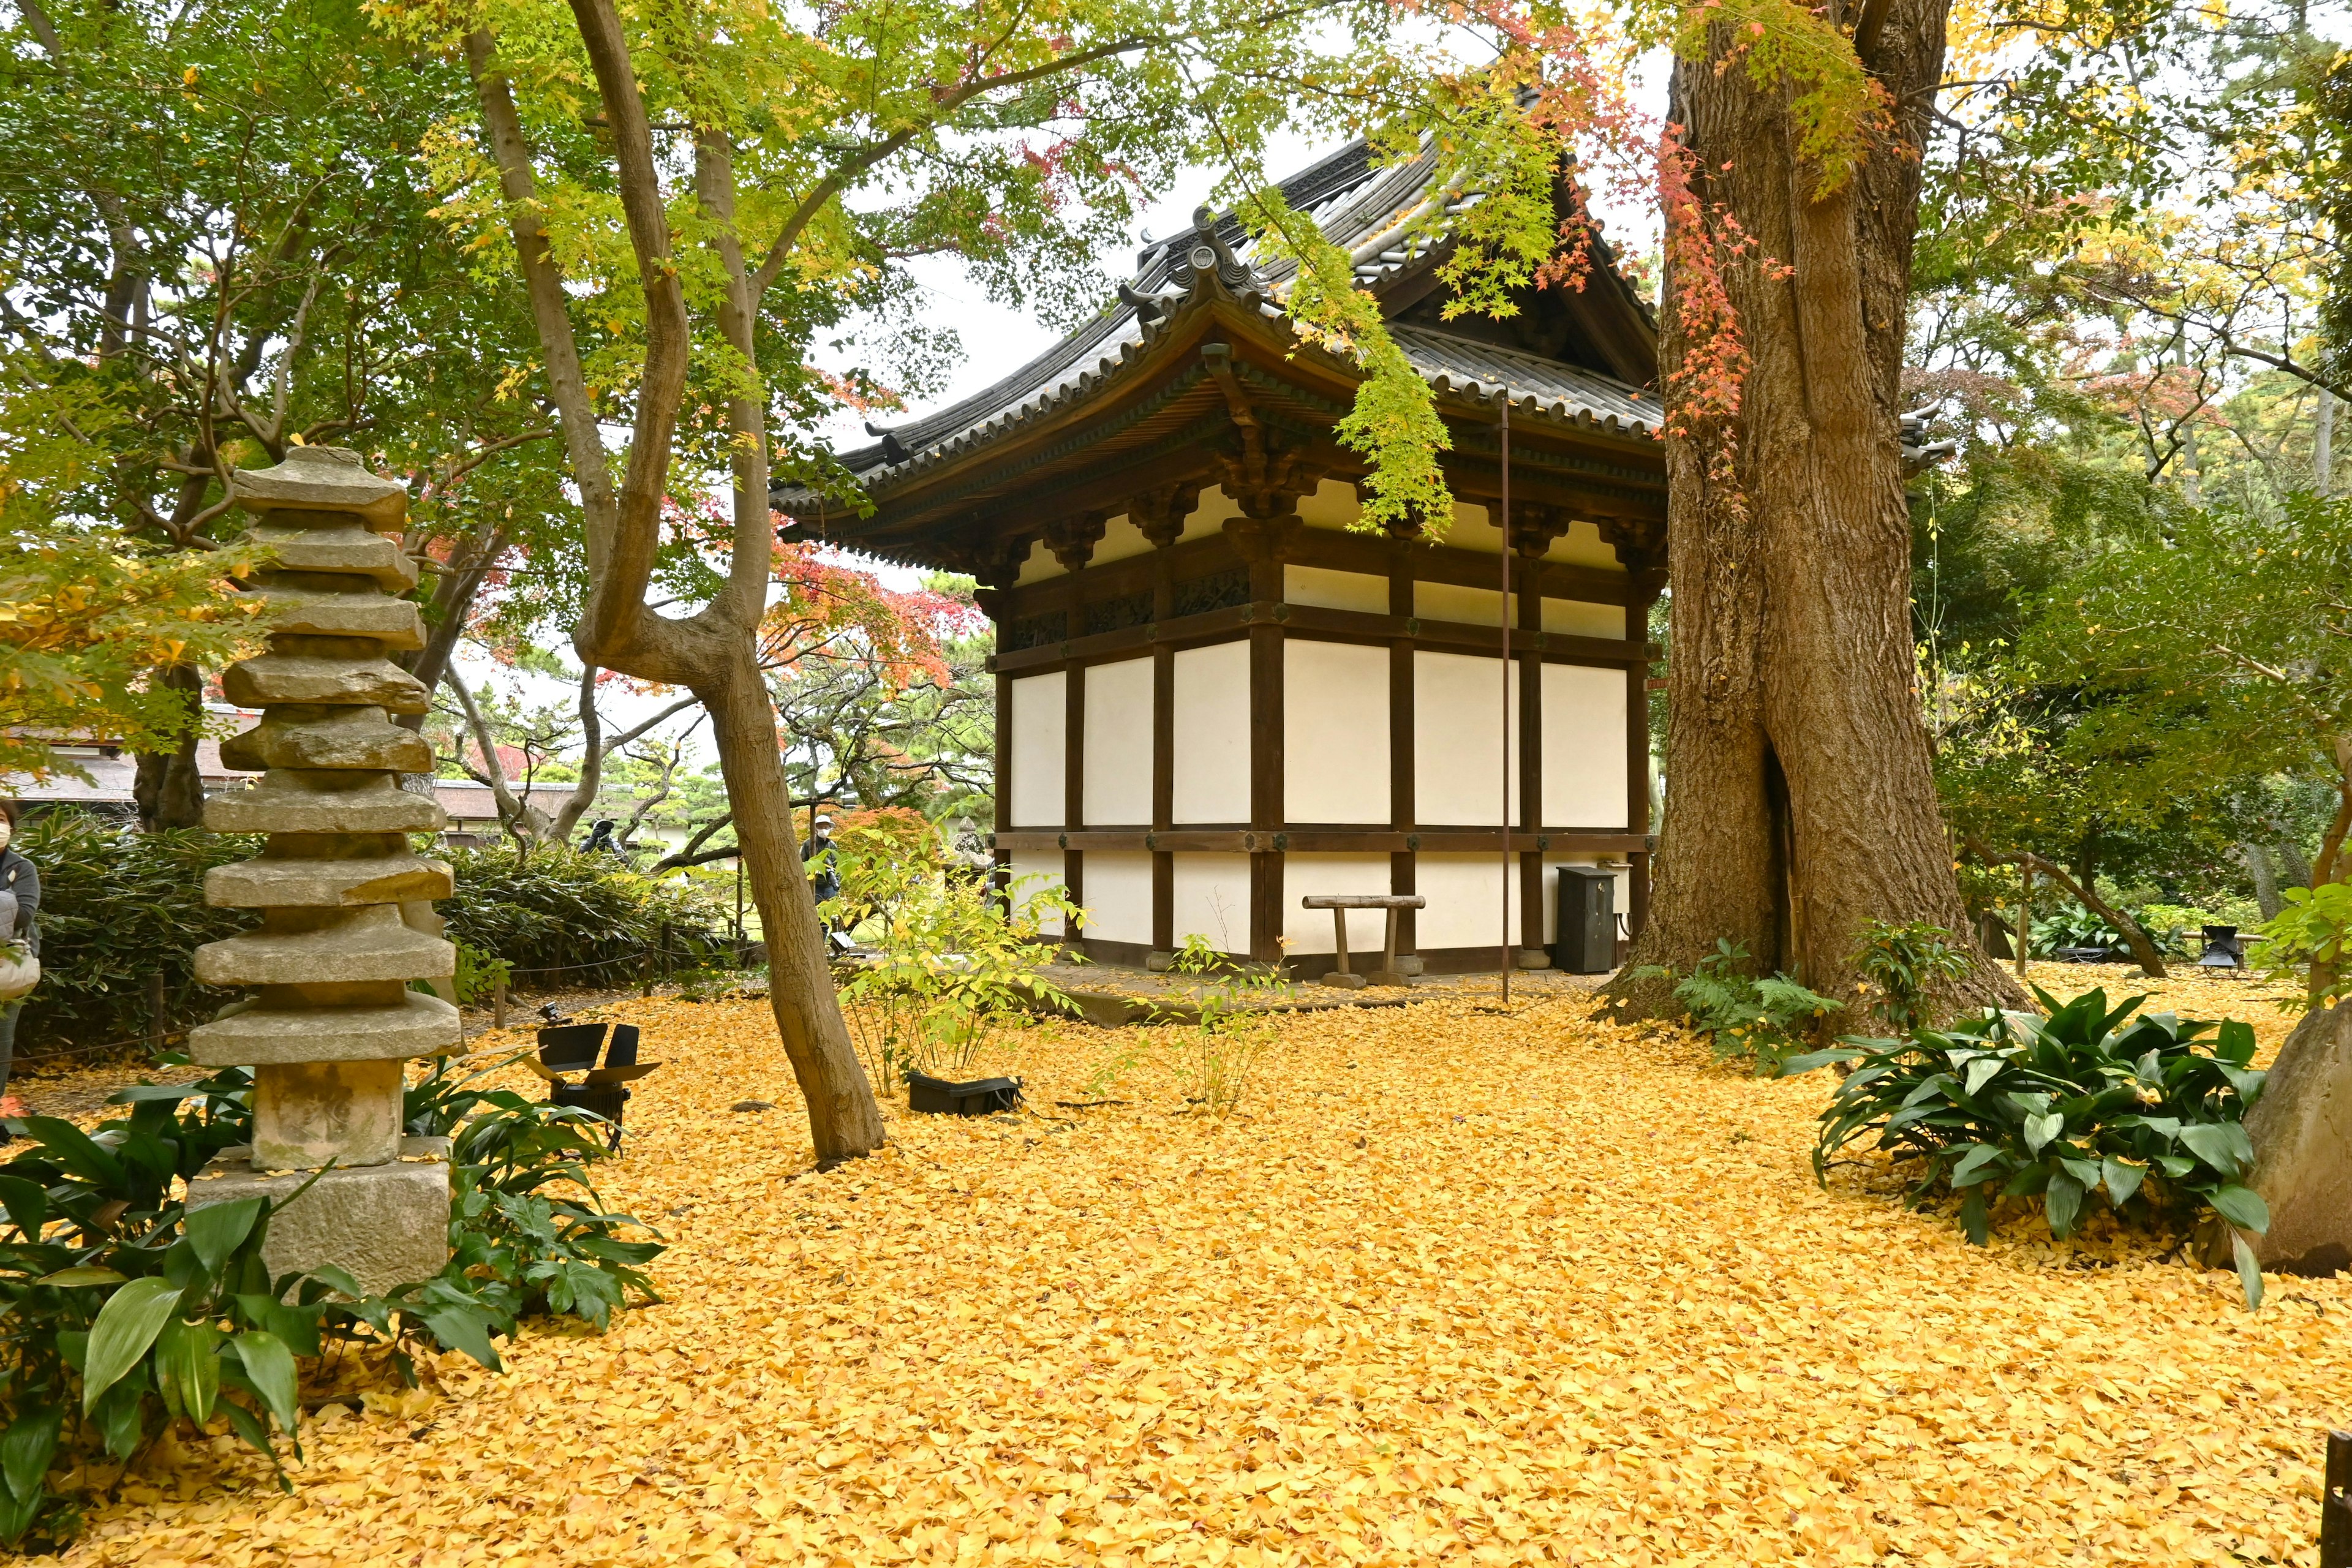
<point>1583,545</point>
<point>1118,744</point>
<point>1578,618</point>
<point>1551,890</point>
<point>1335,718</point>
<point>1040,720</point>
<point>1583,747</point>
<point>1034,871</point>
<point>1038,564</point>
<point>1309,930</point>
<point>1465,894</point>
<point>1211,714</point>
<point>1471,530</point>
<point>1209,515</point>
<point>1209,895</point>
<point>1333,505</point>
<point>1453,601</point>
<point>1121,539</point>
<point>1335,590</point>
<point>1457,723</point>
<point>1118,888</point>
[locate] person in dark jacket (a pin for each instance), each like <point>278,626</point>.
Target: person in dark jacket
<point>821,860</point>
<point>20,908</point>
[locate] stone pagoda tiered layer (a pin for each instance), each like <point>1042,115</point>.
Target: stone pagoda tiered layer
<point>333,1019</point>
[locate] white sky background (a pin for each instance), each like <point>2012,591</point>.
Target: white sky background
<point>996,339</point>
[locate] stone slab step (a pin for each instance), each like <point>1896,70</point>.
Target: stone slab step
<point>308,884</point>
<point>340,549</point>
<point>372,946</point>
<point>300,678</point>
<point>421,1025</point>
<point>346,737</point>
<point>322,478</point>
<point>309,611</point>
<point>275,807</point>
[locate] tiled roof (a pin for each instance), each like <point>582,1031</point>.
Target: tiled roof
<point>1366,209</point>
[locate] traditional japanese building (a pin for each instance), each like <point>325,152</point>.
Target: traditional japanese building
<point>1215,696</point>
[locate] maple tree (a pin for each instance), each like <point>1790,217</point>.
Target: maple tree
<point>689,195</point>
<point>214,246</point>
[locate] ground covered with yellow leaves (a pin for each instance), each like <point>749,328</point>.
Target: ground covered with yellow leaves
<point>1448,1286</point>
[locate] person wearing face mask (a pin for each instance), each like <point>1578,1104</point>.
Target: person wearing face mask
<point>20,907</point>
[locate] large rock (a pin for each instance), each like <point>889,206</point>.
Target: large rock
<point>386,1223</point>
<point>308,1115</point>
<point>2302,1133</point>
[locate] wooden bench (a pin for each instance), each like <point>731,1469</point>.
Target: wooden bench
<point>1339,904</point>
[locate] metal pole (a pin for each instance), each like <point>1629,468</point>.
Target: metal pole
<point>1508,955</point>
<point>2025,914</point>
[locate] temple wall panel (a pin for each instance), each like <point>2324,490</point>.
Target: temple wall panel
<point>1040,719</point>
<point>1122,539</point>
<point>1309,930</point>
<point>1465,900</point>
<point>1457,702</point>
<point>1034,871</point>
<point>1335,590</point>
<point>1118,747</point>
<point>1210,720</point>
<point>1584,761</point>
<point>1335,733</point>
<point>1463,606</point>
<point>1212,897</point>
<point>1577,618</point>
<point>1119,895</point>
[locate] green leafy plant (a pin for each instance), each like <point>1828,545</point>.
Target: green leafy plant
<point>118,908</point>
<point>1905,965</point>
<point>948,959</point>
<point>2306,942</point>
<point>588,918</point>
<point>1218,1054</point>
<point>126,1311</point>
<point>2087,1099</point>
<point>2076,928</point>
<point>1760,1022</point>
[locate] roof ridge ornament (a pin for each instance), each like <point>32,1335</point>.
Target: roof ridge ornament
<point>1206,256</point>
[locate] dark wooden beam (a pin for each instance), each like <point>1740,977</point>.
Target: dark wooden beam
<point>1336,625</point>
<point>1530,619</point>
<point>1259,540</point>
<point>1163,749</point>
<point>1404,867</point>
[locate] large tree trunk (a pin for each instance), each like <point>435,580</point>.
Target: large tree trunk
<point>1800,799</point>
<point>168,787</point>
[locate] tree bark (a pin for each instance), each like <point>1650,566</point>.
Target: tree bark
<point>712,653</point>
<point>1800,801</point>
<point>167,787</point>
<point>2082,888</point>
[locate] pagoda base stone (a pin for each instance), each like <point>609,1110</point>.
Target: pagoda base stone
<point>307,1114</point>
<point>386,1223</point>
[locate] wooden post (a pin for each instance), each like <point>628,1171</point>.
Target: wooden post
<point>2024,915</point>
<point>2335,1504</point>
<point>1508,963</point>
<point>1532,544</point>
<point>498,1004</point>
<point>155,1004</point>
<point>1404,865</point>
<point>1074,779</point>
<point>1259,541</point>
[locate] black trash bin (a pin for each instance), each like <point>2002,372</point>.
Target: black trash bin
<point>1585,939</point>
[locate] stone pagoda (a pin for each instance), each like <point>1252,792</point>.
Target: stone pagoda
<point>333,1020</point>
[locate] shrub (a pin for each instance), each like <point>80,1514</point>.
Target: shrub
<point>116,907</point>
<point>2305,943</point>
<point>1760,1022</point>
<point>2087,1099</point>
<point>1905,966</point>
<point>558,915</point>
<point>947,957</point>
<point>127,1313</point>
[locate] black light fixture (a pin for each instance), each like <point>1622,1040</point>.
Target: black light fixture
<point>572,1049</point>
<point>2222,950</point>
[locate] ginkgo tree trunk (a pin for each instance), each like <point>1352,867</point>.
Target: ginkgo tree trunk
<point>676,189</point>
<point>1801,801</point>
